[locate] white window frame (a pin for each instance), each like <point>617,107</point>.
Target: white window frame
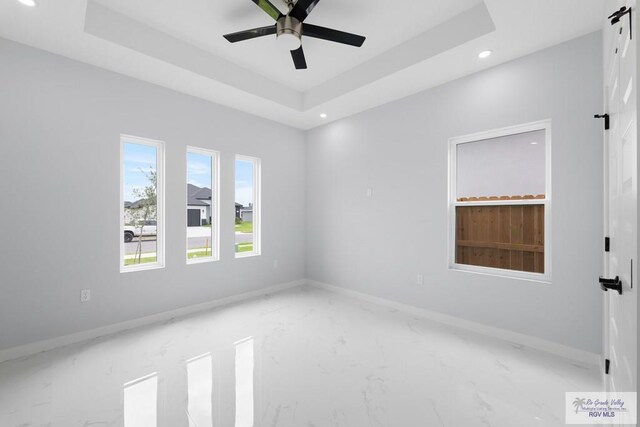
<point>160,208</point>
<point>453,202</point>
<point>257,205</point>
<point>215,200</point>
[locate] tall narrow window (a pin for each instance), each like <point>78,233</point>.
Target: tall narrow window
<point>202,205</point>
<point>141,201</point>
<point>247,206</point>
<point>500,201</point>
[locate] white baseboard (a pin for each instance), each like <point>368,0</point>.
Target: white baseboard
<point>50,344</point>
<point>570,353</point>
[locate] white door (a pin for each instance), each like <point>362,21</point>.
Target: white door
<point>621,191</point>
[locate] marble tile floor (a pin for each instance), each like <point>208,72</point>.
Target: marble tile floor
<point>301,358</point>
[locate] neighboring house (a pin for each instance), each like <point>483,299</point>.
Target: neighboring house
<point>246,214</point>
<point>198,206</point>
<point>128,216</point>
<point>131,213</point>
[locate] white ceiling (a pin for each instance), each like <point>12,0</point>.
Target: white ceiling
<point>410,47</point>
<point>203,22</point>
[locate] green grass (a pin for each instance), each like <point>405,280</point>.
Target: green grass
<point>199,254</point>
<point>245,227</point>
<point>133,261</point>
<point>244,247</point>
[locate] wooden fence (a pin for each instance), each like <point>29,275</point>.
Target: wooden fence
<point>507,236</point>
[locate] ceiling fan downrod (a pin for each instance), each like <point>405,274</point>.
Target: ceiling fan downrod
<point>289,29</point>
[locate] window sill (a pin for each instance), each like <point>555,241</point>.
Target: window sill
<point>247,254</point>
<point>141,267</point>
<point>202,260</point>
<point>523,276</point>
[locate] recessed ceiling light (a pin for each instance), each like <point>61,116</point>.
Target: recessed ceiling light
<point>323,115</point>
<point>30,3</point>
<point>534,143</point>
<point>485,54</point>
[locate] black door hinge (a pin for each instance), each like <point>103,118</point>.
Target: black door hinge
<point>607,244</point>
<point>614,284</point>
<point>616,16</point>
<point>607,365</point>
<point>606,119</point>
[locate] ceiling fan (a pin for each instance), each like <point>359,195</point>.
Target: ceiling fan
<point>290,28</point>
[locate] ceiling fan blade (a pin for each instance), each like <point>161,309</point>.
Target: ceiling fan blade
<point>268,7</point>
<point>298,59</point>
<point>250,34</point>
<point>332,35</point>
<point>302,9</point>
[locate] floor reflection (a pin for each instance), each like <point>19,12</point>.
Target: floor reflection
<point>200,391</point>
<point>141,402</point>
<point>244,382</point>
<point>303,357</point>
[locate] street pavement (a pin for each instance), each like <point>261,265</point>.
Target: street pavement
<point>196,238</point>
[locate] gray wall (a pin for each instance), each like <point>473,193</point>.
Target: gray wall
<point>60,123</point>
<point>378,245</point>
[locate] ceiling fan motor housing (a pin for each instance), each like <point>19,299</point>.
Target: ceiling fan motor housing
<point>289,29</point>
<point>288,25</point>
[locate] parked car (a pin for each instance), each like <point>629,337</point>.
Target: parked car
<point>148,229</point>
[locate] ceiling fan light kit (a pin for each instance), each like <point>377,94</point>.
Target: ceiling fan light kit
<point>290,28</point>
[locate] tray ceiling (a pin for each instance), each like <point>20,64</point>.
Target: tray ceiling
<point>179,45</point>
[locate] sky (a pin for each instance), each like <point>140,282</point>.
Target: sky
<point>512,165</point>
<point>140,159</point>
<point>244,182</point>
<point>199,170</point>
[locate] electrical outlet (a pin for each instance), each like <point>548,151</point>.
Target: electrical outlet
<point>275,263</point>
<point>85,295</point>
<point>420,279</point>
